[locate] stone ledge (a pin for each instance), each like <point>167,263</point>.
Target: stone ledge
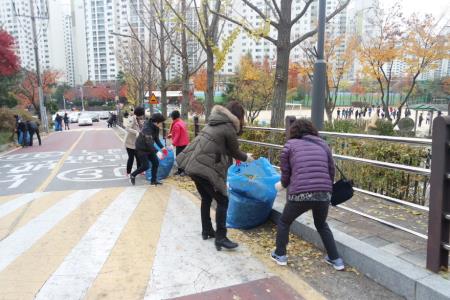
<point>399,276</point>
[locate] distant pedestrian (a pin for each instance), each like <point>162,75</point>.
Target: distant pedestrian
<point>66,122</point>
<point>23,133</point>
<point>207,160</point>
<point>338,113</point>
<point>307,171</point>
<point>439,113</point>
<point>420,119</point>
<point>146,150</point>
<point>133,126</point>
<point>179,134</point>
<point>33,128</point>
<point>356,115</point>
<point>428,118</point>
<point>370,112</point>
<point>58,122</point>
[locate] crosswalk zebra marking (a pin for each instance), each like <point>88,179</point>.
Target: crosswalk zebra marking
<point>12,205</point>
<point>25,213</point>
<point>17,243</point>
<point>27,274</point>
<point>132,256</point>
<point>75,275</point>
<point>185,264</point>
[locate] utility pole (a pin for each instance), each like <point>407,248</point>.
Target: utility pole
<point>320,75</point>
<point>42,109</point>
<point>82,98</point>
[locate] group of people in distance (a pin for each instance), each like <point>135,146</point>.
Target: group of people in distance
<point>307,171</point>
<point>59,120</point>
<point>25,130</point>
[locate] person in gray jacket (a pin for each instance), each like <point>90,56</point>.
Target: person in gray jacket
<point>133,127</point>
<point>207,159</point>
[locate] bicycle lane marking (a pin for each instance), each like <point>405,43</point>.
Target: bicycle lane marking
<point>59,165</point>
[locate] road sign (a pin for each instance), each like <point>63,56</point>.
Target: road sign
<point>153,99</point>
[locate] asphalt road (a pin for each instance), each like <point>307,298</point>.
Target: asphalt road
<point>81,158</point>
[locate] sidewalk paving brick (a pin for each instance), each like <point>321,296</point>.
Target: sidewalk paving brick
<point>263,289</point>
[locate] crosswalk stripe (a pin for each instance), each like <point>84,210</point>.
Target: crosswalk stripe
<point>16,244</point>
<point>18,218</point>
<point>4,199</point>
<point>185,264</point>
<point>12,205</point>
<point>132,256</point>
<point>23,278</point>
<point>75,275</point>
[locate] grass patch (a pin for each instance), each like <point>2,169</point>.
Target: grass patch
<point>5,138</point>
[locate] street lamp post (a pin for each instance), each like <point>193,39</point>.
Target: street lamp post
<point>82,98</point>
<point>320,68</point>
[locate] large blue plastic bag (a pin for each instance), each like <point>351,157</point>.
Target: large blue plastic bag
<point>165,166</point>
<point>255,180</point>
<point>251,193</point>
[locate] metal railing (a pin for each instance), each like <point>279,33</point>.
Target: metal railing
<point>438,230</point>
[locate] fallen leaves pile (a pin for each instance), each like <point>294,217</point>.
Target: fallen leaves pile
<point>304,257</point>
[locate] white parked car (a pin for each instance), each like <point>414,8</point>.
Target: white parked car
<point>84,119</point>
<point>73,117</point>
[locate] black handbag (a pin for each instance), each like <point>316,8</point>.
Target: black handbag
<point>342,189</point>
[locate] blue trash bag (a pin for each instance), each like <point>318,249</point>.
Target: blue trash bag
<point>165,166</point>
<point>251,193</point>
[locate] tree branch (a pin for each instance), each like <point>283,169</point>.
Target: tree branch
<point>249,30</point>
<point>183,22</point>
<point>261,14</point>
<point>302,13</point>
<point>313,32</point>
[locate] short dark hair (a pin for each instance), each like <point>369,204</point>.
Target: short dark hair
<point>302,127</point>
<point>238,111</point>
<point>157,118</point>
<point>175,115</point>
<point>139,111</point>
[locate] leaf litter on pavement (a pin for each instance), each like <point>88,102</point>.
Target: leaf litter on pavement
<point>305,260</point>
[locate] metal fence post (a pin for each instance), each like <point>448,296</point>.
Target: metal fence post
<point>196,126</point>
<point>439,216</point>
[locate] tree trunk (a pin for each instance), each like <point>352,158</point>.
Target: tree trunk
<point>281,77</point>
<point>185,62</point>
<point>209,94</point>
<point>163,66</point>
<point>185,92</point>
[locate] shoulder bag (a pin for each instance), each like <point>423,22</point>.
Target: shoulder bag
<point>342,189</point>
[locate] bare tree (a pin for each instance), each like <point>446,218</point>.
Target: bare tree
<point>137,67</point>
<point>338,64</point>
<point>279,17</point>
<point>208,38</point>
<point>180,45</point>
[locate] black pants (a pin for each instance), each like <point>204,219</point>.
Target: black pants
<point>131,155</point>
<point>178,150</point>
<point>292,211</point>
<point>207,193</point>
<point>38,136</point>
<point>143,158</point>
<point>66,125</point>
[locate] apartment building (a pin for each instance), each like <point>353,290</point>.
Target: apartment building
<point>15,19</point>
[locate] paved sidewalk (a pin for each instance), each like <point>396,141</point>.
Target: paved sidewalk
<point>123,243</point>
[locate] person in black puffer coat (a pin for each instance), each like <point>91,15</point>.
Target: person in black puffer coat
<point>145,149</point>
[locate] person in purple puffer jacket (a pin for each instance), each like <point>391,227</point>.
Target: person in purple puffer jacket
<point>307,171</point>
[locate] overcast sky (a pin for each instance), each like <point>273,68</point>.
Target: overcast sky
<point>435,7</point>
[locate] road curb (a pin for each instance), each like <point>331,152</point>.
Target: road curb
<point>397,275</point>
